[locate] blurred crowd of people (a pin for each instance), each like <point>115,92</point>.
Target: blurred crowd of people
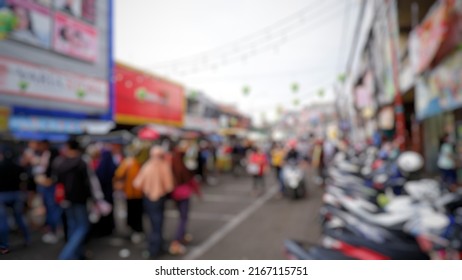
<point>76,187</point>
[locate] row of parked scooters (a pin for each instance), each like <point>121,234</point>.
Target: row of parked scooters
<point>383,208</point>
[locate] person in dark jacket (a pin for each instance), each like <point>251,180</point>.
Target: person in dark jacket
<point>73,175</point>
<point>11,196</point>
<point>105,171</point>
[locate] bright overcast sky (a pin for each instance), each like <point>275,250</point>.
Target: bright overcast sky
<point>149,32</point>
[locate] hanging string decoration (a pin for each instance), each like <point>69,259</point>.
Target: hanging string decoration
<point>295,87</point>
<point>193,95</point>
<point>246,90</point>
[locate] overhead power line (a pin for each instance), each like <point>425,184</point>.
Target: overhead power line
<point>228,54</point>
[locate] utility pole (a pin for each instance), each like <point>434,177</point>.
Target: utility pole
<point>351,111</point>
<point>400,118</point>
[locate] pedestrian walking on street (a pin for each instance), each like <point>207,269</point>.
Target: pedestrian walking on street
<point>447,162</point>
<point>257,167</point>
<point>155,180</point>
<point>123,181</point>
<point>105,172</point>
<point>46,187</point>
<point>11,196</point>
<point>76,184</point>
<point>277,161</point>
<point>185,186</point>
<point>27,160</point>
<point>317,161</point>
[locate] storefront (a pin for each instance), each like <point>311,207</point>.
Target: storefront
<point>438,62</point>
<point>55,81</point>
<point>142,98</point>
<point>204,125</point>
<point>438,102</point>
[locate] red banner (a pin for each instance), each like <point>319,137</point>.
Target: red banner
<point>142,98</point>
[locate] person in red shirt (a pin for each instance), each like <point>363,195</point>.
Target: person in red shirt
<point>257,167</point>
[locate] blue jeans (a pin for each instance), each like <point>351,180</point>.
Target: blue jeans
<point>54,211</point>
<point>280,180</point>
<point>155,212</point>
<point>15,200</point>
<point>78,226</point>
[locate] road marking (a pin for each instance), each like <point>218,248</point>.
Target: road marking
<point>228,227</point>
<point>226,198</point>
<point>200,216</point>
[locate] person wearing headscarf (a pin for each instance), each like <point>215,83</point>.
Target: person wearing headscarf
<point>105,172</point>
<point>155,180</point>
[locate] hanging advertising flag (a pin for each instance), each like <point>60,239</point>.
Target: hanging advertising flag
<point>442,90</point>
<point>426,39</point>
<point>453,36</point>
<point>142,98</point>
<point>74,38</point>
<point>447,81</point>
<point>426,101</point>
<point>22,82</point>
<point>32,23</point>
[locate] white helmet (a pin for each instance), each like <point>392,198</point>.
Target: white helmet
<point>410,162</point>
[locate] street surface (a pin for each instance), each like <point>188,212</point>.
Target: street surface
<point>228,223</point>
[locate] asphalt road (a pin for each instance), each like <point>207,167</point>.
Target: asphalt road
<point>228,223</point>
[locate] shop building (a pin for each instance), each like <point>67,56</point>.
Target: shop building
<point>56,69</point>
<point>202,114</point>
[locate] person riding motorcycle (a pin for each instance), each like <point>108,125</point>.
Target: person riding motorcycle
<point>292,155</point>
<point>293,173</point>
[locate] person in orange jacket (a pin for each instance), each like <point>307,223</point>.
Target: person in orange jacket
<point>123,181</point>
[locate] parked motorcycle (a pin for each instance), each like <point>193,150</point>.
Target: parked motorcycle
<point>384,210</point>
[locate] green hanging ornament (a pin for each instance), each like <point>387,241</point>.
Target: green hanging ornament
<point>296,102</point>
<point>193,95</point>
<point>295,87</point>
<point>246,90</point>
<point>342,78</point>
<point>321,93</point>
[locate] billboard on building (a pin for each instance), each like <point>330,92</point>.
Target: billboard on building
<point>143,98</point>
